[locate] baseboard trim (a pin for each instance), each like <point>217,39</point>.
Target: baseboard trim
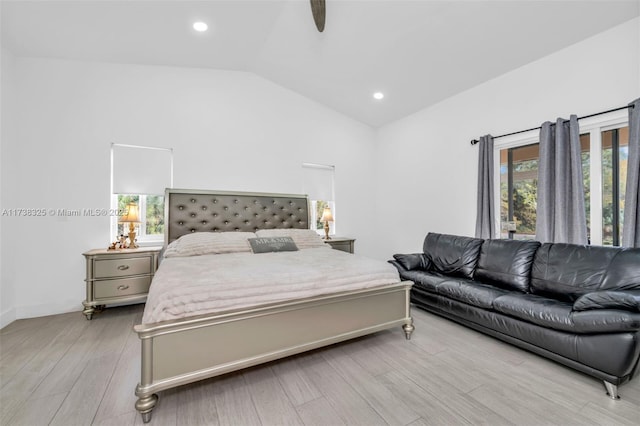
<point>46,309</point>
<point>7,317</point>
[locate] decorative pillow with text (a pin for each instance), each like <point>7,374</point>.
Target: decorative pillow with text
<point>272,244</point>
<point>304,238</point>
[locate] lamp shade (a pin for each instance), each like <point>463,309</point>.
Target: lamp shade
<point>327,216</point>
<point>131,215</point>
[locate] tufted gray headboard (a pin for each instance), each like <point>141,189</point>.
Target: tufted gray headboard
<point>189,210</point>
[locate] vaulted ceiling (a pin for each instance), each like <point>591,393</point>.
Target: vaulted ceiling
<point>417,52</point>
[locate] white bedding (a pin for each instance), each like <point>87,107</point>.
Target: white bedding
<point>189,286</point>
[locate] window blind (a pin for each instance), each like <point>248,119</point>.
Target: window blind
<point>318,181</point>
<point>141,170</point>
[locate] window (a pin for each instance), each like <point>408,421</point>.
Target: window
<point>317,207</point>
<point>519,188</point>
<point>604,145</point>
<point>151,209</point>
<point>615,153</point>
<point>319,184</point>
<point>140,175</point>
<point>518,191</point>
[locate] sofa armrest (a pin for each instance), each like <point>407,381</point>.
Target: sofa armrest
<point>628,300</point>
<point>413,261</point>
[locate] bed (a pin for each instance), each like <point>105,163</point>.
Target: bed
<point>185,347</point>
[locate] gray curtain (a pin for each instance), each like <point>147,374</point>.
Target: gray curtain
<point>561,216</point>
<point>631,223</point>
<point>485,223</point>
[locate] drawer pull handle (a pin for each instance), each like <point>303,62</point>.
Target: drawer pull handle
<point>123,267</point>
<point>123,287</point>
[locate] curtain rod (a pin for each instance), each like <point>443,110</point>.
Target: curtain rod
<point>475,141</point>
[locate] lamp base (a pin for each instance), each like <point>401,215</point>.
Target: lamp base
<point>326,231</point>
<point>132,240</point>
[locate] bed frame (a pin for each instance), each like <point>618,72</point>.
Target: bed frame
<point>183,351</point>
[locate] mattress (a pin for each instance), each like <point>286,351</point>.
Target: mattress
<point>210,284</point>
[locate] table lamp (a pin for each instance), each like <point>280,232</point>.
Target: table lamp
<point>326,218</point>
<point>131,216</point>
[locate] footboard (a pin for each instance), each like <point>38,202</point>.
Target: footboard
<point>178,352</point>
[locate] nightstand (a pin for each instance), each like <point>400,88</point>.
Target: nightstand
<point>344,244</point>
<point>118,276</point>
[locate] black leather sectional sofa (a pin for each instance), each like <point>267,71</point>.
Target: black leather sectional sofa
<point>577,305</point>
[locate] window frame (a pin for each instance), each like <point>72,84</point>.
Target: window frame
<point>510,188</point>
<point>313,202</point>
<point>142,237</point>
<point>594,126</point>
<point>314,217</point>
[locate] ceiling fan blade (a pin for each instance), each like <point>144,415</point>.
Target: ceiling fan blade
<point>319,13</point>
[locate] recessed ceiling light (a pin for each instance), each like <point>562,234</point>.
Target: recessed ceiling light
<point>200,26</point>
<point>378,95</point>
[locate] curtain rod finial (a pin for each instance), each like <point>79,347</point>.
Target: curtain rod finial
<point>474,141</point>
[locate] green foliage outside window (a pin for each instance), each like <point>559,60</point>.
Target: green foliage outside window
<point>153,207</point>
<point>525,196</point>
<point>155,215</point>
<point>607,191</point>
<point>586,180</point>
<point>320,205</point>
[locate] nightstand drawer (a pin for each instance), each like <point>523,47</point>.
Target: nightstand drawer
<point>108,268</point>
<point>122,287</point>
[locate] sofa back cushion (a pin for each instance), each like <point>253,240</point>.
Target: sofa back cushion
<point>452,254</point>
<point>623,272</point>
<point>567,271</point>
<point>506,263</point>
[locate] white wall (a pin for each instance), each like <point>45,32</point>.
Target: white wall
<point>7,135</point>
<point>229,130</point>
<point>427,170</point>
<point>236,131</point>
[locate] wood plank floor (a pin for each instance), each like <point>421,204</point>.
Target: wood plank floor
<point>64,370</point>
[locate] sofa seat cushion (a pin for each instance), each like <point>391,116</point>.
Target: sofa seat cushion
<point>425,280</point>
<point>536,309</point>
<point>506,263</point>
<point>558,315</point>
<point>471,293</point>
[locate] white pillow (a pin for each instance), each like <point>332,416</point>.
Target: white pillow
<point>304,238</point>
<point>199,243</point>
